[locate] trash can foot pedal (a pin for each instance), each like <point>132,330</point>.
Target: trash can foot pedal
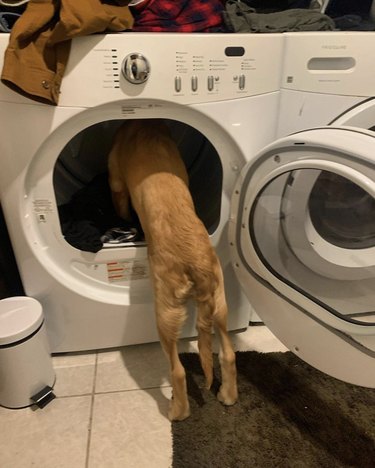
<point>42,398</point>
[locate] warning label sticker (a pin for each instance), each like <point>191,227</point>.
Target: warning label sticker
<point>42,207</point>
<point>127,270</point>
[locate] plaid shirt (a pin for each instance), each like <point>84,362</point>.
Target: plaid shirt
<point>178,16</point>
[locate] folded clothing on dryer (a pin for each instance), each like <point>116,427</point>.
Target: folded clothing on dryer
<point>271,6</point>
<point>241,18</point>
<point>39,44</point>
<point>177,15</point>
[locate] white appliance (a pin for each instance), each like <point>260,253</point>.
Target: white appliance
<point>220,94</point>
<point>303,224</point>
<point>275,199</point>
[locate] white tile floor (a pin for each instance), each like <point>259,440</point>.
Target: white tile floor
<point>110,410</point>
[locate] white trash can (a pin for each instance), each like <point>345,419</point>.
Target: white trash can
<point>26,373</point>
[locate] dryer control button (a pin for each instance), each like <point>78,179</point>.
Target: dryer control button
<point>241,81</point>
<point>194,83</point>
<point>210,83</point>
<point>177,84</point>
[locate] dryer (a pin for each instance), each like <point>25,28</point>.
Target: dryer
<point>267,194</point>
<point>303,225</point>
<point>219,93</point>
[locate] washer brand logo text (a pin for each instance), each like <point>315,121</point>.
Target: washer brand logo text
<point>334,47</point>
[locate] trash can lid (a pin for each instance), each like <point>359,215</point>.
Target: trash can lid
<point>20,316</point>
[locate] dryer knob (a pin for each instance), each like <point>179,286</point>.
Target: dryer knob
<point>136,68</point>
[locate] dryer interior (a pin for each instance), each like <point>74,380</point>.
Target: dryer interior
<point>80,179</point>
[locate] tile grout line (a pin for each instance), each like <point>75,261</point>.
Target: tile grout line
<point>109,392</point>
<point>91,413</point>
<point>127,390</point>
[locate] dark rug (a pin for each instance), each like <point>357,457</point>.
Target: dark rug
<point>288,415</point>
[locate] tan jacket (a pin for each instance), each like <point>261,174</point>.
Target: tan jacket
<point>39,45</point>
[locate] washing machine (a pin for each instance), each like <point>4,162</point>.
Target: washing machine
<point>302,229</point>
<point>219,94</point>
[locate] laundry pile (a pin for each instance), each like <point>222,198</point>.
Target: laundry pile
<point>177,15</point>
<point>210,15</point>
<point>88,220</point>
<point>241,18</point>
<point>351,15</point>
<point>39,44</point>
<point>266,16</point>
<point>213,15</point>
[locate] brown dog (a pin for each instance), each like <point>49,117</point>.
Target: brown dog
<point>145,167</point>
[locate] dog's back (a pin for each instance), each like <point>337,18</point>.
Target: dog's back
<point>157,181</point>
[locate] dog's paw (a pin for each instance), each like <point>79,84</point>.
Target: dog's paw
<point>178,412</point>
<point>227,397</point>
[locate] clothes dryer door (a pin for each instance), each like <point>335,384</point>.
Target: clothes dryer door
<point>302,238</point>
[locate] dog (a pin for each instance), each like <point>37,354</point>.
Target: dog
<point>147,173</point>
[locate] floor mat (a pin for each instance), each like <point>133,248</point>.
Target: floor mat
<point>288,415</point>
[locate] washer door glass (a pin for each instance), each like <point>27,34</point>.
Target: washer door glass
<point>315,230</point>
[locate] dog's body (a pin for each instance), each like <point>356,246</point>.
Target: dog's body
<point>146,169</point>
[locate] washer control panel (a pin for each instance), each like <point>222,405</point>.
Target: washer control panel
<point>337,63</point>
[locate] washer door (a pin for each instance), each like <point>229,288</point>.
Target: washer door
<point>303,232</point>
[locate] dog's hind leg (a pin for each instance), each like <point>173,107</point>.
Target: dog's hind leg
<point>205,311</point>
<point>169,321</point>
<point>228,392</point>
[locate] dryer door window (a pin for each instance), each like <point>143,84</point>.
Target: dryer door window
<point>305,225</point>
<point>315,230</point>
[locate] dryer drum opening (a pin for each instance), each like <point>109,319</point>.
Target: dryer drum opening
<point>80,182</point>
<point>342,213</point>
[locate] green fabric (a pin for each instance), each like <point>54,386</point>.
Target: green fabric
<point>240,18</point>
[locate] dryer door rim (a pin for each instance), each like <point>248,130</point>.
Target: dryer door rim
<point>45,239</point>
<point>361,115</point>
<point>276,159</point>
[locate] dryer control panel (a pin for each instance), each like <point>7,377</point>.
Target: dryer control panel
<point>184,68</point>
